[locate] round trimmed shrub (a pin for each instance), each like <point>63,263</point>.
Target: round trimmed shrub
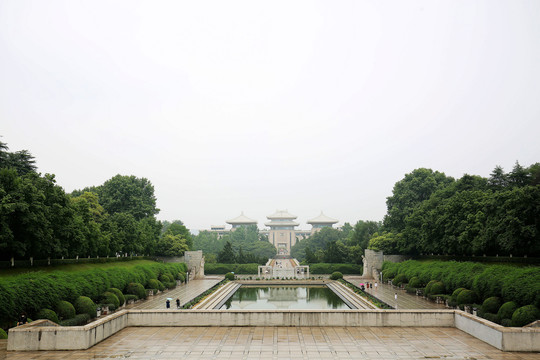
<point>491,305</point>
<point>389,274</point>
<point>466,297</point>
<point>3,334</point>
<point>525,315</point>
<point>181,277</point>
<point>427,290</point>
<point>85,305</point>
<point>165,278</point>
<point>336,275</point>
<point>229,276</point>
<point>436,288</point>
<point>153,284</point>
<point>136,289</point>
<point>65,310</point>
<point>415,282</point>
<point>456,293</point>
<point>47,314</point>
<point>119,295</point>
<point>506,322</point>
<point>399,279</point>
<point>507,310</point>
<point>111,299</point>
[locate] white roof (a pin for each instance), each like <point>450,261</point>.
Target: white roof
<point>281,214</point>
<point>322,219</point>
<point>242,219</point>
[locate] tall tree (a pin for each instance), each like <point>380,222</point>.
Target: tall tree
<point>409,192</point>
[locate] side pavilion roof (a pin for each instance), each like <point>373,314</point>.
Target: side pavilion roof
<point>322,219</point>
<point>242,219</point>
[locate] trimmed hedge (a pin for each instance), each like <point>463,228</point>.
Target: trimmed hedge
<point>33,291</point>
<point>3,334</point>
<point>491,317</point>
<point>491,305</point>
<point>47,314</point>
<point>326,268</point>
<point>119,295</point>
<point>436,288</point>
<point>155,284</point>
<point>85,305</point>
<point>336,275</point>
<point>222,269</point>
<point>136,289</point>
<point>466,297</point>
<point>229,276</point>
<point>400,279</point>
<point>510,283</point>
<point>507,310</point>
<point>415,282</point>
<point>79,319</point>
<point>65,310</point>
<point>111,299</point>
<point>525,315</point>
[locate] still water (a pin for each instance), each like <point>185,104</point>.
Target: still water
<point>284,298</point>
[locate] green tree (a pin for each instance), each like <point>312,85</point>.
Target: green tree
<point>128,195</point>
<point>226,256</point>
<point>409,192</point>
<point>171,245</point>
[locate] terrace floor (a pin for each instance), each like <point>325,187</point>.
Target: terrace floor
<point>283,343</point>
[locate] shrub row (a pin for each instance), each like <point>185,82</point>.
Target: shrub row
<point>326,268</point>
<point>34,291</point>
<point>53,262</point>
<point>222,269</point>
<point>510,283</point>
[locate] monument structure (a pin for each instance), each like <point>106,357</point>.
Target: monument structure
<point>282,234</point>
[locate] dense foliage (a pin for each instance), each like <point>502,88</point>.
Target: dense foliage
<point>329,245</point>
<point>31,292</point>
<point>431,213</point>
<point>39,220</point>
<point>243,269</point>
<point>242,245</point>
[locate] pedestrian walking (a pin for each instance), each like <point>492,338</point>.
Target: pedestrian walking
<point>395,298</point>
<point>178,303</point>
<point>168,304</point>
<point>375,286</point>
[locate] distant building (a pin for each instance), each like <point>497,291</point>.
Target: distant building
<point>282,233</point>
<point>320,222</point>
<point>241,220</point>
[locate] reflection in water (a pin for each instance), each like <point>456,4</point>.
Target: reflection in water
<point>284,297</point>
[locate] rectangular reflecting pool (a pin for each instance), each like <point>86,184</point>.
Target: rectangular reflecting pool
<point>296,297</point>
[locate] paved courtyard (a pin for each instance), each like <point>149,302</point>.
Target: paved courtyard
<point>283,343</point>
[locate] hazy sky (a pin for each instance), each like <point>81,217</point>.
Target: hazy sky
<point>256,106</point>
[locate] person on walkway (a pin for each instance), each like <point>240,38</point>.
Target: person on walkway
<point>178,303</point>
<point>395,298</point>
<point>375,286</point>
<point>168,304</point>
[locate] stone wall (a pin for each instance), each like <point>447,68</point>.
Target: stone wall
<point>194,261</point>
<point>35,336</point>
<point>373,262</point>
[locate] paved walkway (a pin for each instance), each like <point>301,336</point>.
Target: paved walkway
<point>386,293</point>
<point>185,292</point>
<point>308,343</point>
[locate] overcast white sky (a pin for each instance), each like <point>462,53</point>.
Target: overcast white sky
<point>256,106</point>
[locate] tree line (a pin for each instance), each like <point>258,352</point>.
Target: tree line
<point>39,219</point>
<point>243,245</point>
<point>431,213</point>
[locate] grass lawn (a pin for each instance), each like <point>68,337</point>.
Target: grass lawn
<point>73,267</point>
